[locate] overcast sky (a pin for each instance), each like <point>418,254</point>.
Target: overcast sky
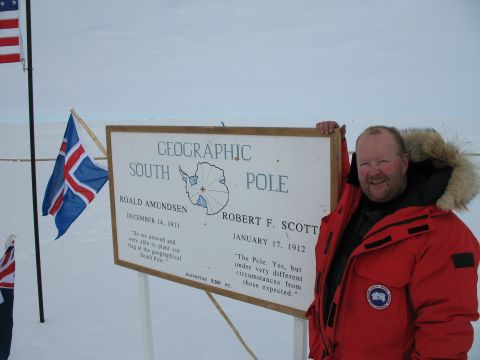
<point>264,62</point>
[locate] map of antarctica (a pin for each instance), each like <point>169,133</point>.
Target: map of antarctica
<point>207,187</point>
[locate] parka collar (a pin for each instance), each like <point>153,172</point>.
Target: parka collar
<point>445,169</point>
<point>463,184</point>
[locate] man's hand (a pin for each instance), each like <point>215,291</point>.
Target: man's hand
<point>327,128</point>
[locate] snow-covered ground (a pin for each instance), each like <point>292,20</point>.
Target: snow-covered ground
<point>92,306</point>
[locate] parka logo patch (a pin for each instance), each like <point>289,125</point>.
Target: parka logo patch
<point>379,297</point>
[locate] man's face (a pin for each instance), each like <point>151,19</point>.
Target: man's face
<point>381,169</point>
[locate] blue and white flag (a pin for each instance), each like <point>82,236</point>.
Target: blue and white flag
<point>75,181</point>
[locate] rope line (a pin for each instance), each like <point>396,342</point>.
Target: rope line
<point>43,159</point>
<point>229,322</point>
<point>105,158</point>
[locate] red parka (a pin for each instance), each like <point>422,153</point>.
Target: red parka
<point>409,290</point>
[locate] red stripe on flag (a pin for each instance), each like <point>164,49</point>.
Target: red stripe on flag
<point>8,270</point>
<point>56,205</point>
<point>63,147</point>
<point>9,41</point>
<point>9,58</point>
<point>9,24</point>
<point>79,189</point>
<point>5,260</point>
<point>72,160</point>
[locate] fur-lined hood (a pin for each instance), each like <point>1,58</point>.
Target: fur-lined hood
<point>464,182</point>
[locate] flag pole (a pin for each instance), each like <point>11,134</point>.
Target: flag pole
<point>32,159</point>
<point>90,132</point>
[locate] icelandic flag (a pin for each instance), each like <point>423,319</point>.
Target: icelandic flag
<point>7,279</point>
<point>75,181</point>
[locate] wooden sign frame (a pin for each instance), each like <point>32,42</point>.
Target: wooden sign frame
<point>242,233</point>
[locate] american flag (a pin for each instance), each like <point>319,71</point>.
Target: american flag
<point>9,32</point>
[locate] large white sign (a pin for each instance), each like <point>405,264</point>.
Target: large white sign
<point>235,211</point>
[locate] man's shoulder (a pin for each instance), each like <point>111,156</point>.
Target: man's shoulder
<point>449,228</point>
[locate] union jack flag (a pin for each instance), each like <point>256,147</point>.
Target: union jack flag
<point>7,266</point>
<point>75,181</point>
<point>7,277</point>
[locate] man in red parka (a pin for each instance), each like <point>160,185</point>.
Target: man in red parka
<point>396,269</point>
